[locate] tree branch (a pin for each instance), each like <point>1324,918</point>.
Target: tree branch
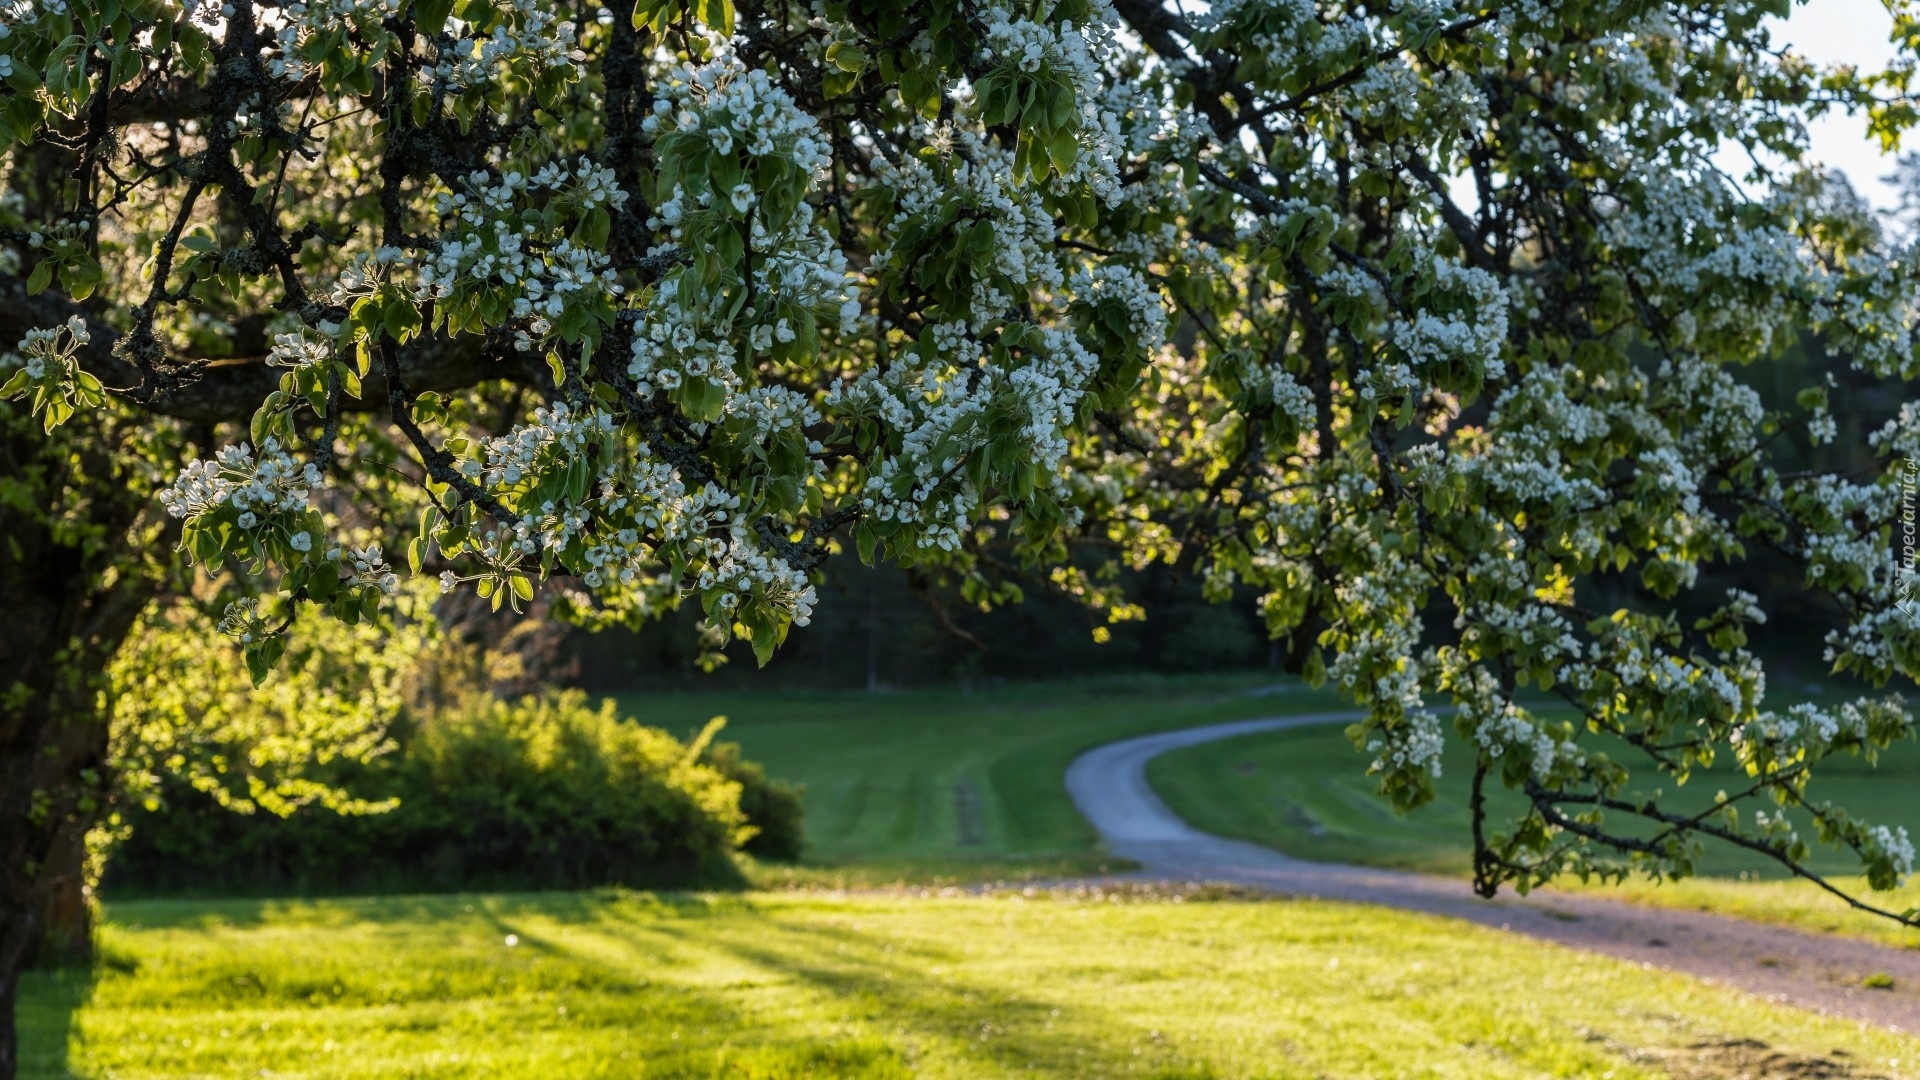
<point>216,391</point>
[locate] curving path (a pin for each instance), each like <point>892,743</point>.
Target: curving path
<point>1109,784</point>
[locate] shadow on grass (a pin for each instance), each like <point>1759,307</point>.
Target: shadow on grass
<point>47,1018</point>
<point>700,985</point>
<point>452,956</point>
<point>244,913</point>
<point>615,939</point>
<point>907,991</point>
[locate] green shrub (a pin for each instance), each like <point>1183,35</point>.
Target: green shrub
<point>542,793</point>
<point>772,807</point>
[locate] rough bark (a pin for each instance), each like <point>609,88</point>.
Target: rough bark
<point>69,596</point>
<point>9,1036</point>
<point>62,903</point>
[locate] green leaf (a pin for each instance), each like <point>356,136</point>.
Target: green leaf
<point>765,629</point>
<point>431,15</point>
<point>428,408</point>
<point>262,656</point>
<point>835,83</point>
<point>1316,669</point>
<point>578,479</point>
<point>718,15</point>
<point>401,318</point>
<point>1063,148</point>
<point>847,57</point>
<point>594,229</point>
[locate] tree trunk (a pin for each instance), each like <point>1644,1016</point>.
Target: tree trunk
<point>63,905</point>
<point>9,1038</point>
<point>54,785</point>
<point>69,594</point>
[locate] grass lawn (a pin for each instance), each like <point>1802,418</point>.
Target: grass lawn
<point>1304,791</point>
<point>941,783</point>
<point>793,985</point>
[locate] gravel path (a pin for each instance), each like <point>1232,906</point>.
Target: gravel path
<point>1809,971</point>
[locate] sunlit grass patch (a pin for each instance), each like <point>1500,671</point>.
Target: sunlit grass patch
<point>1061,983</point>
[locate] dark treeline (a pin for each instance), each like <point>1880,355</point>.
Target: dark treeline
<point>878,628</point>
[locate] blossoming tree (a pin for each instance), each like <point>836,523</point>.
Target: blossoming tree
<point>1420,318</point>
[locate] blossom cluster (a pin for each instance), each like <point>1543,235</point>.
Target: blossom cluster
<point>243,621</point>
<point>770,410</point>
<point>261,488</point>
<point>556,435</point>
<point>1463,322</point>
<point>736,567</point>
<point>298,350</point>
<point>1685,243</point>
<point>735,123</point>
<point>366,568</point>
<point>312,29</point>
<point>49,373</point>
<point>1031,46</point>
<point>1022,253</point>
<point>248,505</point>
<point>1142,308</point>
<point>529,40</point>
<point>654,506</point>
<point>941,405</point>
<point>800,280</point>
<point>1414,746</point>
<point>1894,847</point>
<point>1285,35</point>
<point>1514,729</point>
<point>1289,396</point>
<point>619,534</point>
<point>503,259</point>
<point>732,107</point>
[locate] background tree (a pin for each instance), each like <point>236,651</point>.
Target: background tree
<point>670,301</point>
